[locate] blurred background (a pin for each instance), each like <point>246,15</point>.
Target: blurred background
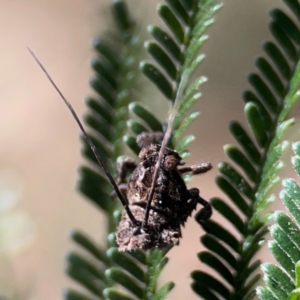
<point>39,141</point>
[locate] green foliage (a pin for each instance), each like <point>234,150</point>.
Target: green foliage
<point>231,253</point>
<point>282,282</point>
<point>101,269</point>
<point>176,57</point>
<point>114,67</point>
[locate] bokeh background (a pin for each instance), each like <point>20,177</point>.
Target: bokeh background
<point>39,144</point>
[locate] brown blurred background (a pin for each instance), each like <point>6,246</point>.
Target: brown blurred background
<point>39,144</point>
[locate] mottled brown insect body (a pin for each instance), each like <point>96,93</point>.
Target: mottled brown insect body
<point>172,202</point>
<point>158,234</point>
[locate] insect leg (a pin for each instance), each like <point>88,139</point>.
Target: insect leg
<point>92,146</point>
<point>196,169</point>
<point>206,211</point>
<point>124,165</point>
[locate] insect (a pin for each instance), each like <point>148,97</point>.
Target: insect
<point>172,203</point>
<point>158,202</point>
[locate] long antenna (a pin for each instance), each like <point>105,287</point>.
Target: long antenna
<point>92,146</point>
<point>167,136</point>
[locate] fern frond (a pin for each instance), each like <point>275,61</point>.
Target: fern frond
<point>176,57</point>
<point>249,185</point>
<point>282,282</point>
<point>141,274</point>
<point>106,119</point>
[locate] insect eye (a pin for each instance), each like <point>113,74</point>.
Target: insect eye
<point>170,162</point>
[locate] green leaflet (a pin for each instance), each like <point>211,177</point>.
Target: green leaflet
<point>182,45</point>
<point>282,281</point>
<point>249,187</point>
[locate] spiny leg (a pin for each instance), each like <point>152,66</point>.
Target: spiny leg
<point>206,212</point>
<point>125,165</point>
<point>123,188</point>
<point>196,169</point>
